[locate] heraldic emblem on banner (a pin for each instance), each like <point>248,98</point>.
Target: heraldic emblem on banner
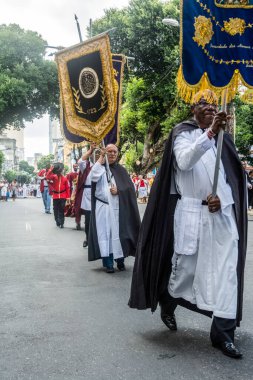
<point>87,88</point>
<point>216,46</point>
<point>112,137</point>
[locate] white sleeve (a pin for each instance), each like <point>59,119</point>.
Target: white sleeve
<point>82,165</point>
<point>188,153</point>
<point>96,172</point>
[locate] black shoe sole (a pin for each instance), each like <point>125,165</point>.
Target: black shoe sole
<point>218,346</point>
<point>171,327</point>
<point>109,270</point>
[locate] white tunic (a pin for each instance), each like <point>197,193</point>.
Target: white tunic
<point>4,191</point>
<point>142,190</point>
<point>206,245</point>
<point>86,198</point>
<point>107,215</point>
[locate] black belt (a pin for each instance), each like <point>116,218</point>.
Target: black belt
<point>204,203</point>
<point>59,192</point>
<point>86,186</point>
<point>100,200</point>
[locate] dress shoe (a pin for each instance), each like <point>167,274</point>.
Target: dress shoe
<point>58,224</point>
<point>169,320</point>
<point>110,270</point>
<point>62,225</point>
<point>229,349</point>
<point>78,227</point>
<point>85,244</point>
<point>121,267</point>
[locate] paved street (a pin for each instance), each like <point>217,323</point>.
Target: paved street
<point>63,318</point>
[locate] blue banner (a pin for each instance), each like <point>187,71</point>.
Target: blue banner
<point>216,46</point>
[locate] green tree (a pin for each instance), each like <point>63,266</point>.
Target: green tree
<point>44,161</point>
<point>25,167</point>
<point>1,161</point>
<point>244,131</point>
<point>10,175</point>
<point>23,177</point>
<point>28,82</point>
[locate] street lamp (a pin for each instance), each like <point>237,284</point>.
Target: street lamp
<point>170,22</point>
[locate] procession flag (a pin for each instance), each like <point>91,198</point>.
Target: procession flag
<point>216,45</point>
<point>112,137</point>
<point>87,88</point>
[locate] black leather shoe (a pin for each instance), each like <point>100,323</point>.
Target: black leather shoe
<point>78,227</point>
<point>229,349</point>
<point>121,267</point>
<point>62,225</point>
<point>85,244</point>
<point>110,270</point>
<point>169,321</point>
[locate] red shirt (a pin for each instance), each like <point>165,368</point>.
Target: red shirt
<point>60,185</point>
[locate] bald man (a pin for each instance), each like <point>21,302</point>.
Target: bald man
<point>115,219</point>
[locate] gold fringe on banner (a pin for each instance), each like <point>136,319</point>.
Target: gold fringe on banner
<point>187,91</point>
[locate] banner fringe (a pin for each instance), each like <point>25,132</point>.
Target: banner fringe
<point>187,91</point>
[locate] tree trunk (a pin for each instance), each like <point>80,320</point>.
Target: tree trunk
<point>151,152</point>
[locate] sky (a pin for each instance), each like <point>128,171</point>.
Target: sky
<point>54,21</point>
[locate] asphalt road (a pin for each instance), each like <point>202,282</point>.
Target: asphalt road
<point>63,318</point>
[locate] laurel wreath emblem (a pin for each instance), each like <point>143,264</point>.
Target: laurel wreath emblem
<point>77,101</point>
<point>104,98</point>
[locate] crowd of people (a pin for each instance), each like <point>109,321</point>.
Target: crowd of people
<point>15,190</point>
<point>142,185</point>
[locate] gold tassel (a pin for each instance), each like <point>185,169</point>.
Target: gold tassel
<point>187,92</point>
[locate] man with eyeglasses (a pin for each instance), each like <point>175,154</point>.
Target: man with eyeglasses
<point>192,246</point>
<point>115,219</point>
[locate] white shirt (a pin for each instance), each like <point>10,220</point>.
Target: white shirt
<point>86,198</point>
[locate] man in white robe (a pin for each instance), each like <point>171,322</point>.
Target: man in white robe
<point>115,219</point>
<point>85,178</point>
<point>204,264</point>
<point>192,246</point>
<point>107,211</point>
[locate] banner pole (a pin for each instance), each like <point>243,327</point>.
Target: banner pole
<point>219,146</point>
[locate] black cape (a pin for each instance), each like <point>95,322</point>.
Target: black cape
<point>152,266</point>
<point>129,217</point>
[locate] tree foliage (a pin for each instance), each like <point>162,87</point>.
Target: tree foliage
<point>25,167</point>
<point>28,82</point>
<point>10,175</point>
<point>244,131</point>
<point>1,161</point>
<point>44,161</point>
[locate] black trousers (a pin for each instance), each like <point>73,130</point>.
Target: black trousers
<point>87,223</point>
<point>59,205</point>
<point>222,329</point>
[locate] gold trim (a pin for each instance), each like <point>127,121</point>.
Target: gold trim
<point>229,6</point>
<point>77,125</point>
<point>216,22</point>
<point>69,144</point>
<point>187,91</point>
